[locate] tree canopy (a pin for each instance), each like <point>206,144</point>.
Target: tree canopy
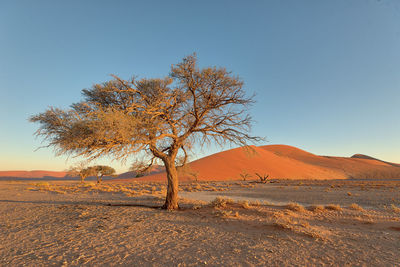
<point>81,170</point>
<point>161,118</point>
<point>100,170</point>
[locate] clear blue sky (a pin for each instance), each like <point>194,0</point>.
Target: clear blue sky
<point>326,73</point>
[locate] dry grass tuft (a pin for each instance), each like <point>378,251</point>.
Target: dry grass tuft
<point>220,202</point>
<point>244,204</point>
<point>43,184</point>
<point>395,208</point>
<point>355,206</point>
<point>227,214</point>
<point>316,208</point>
<point>300,227</point>
<point>333,207</point>
<point>255,203</point>
<point>267,203</point>
<point>295,207</point>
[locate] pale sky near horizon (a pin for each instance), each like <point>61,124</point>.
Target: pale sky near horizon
<point>326,73</point>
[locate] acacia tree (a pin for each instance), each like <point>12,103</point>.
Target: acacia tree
<point>101,170</point>
<point>160,119</point>
<point>81,170</point>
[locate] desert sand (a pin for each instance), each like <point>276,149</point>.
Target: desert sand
<point>283,223</point>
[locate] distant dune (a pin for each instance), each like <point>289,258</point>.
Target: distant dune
<point>54,175</point>
<point>32,174</point>
<point>361,156</point>
<point>154,170</point>
<point>283,162</point>
<point>277,161</point>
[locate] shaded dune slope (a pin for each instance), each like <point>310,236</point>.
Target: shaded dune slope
<point>154,170</point>
<point>361,156</point>
<point>283,162</point>
<point>355,167</point>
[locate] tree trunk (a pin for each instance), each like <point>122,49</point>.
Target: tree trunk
<point>171,200</point>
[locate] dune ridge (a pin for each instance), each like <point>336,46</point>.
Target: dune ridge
<point>283,162</point>
<point>277,161</point>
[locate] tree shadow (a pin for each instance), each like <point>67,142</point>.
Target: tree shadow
<point>73,203</point>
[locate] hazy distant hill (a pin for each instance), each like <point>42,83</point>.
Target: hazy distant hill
<point>32,174</point>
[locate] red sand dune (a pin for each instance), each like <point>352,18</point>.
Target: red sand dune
<point>283,162</point>
<point>32,174</point>
<point>278,161</point>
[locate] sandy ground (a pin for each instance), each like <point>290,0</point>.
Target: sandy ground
<point>289,223</point>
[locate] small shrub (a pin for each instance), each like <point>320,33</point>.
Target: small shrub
<point>263,179</point>
<point>244,175</point>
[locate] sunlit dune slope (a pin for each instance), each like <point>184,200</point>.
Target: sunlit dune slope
<point>32,174</point>
<point>282,162</point>
<point>356,167</point>
<point>230,164</point>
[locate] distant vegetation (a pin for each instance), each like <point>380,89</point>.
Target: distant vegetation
<point>263,178</point>
<point>80,170</point>
<point>100,170</point>
<point>84,171</point>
